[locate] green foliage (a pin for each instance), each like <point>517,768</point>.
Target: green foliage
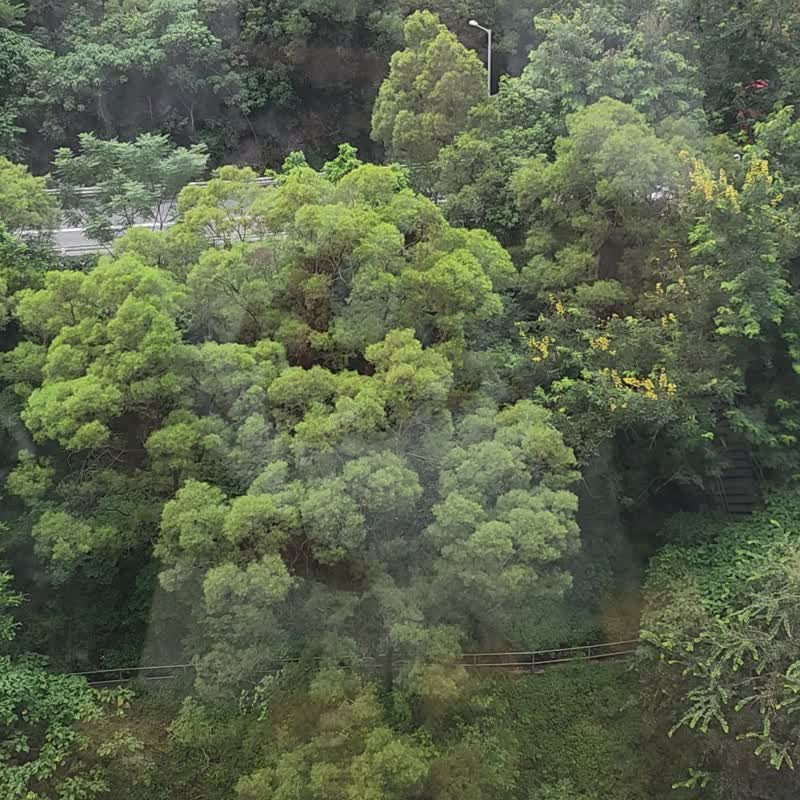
<point>472,175</point>
<point>736,46</point>
<point>10,13</point>
<point>576,740</point>
<point>342,425</point>
<point>134,182</point>
<point>221,209</point>
<point>600,51</point>
<point>596,199</point>
<point>8,600</point>
<point>24,204</point>
<point>44,749</point>
<point>19,54</point>
<point>353,756</point>
<point>720,621</point>
<point>165,47</point>
<point>431,87</point>
<point>734,221</point>
<point>344,163</point>
<point>503,517</point>
<point>596,51</point>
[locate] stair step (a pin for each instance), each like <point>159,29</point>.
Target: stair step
<point>736,490</point>
<point>737,481</point>
<point>738,462</point>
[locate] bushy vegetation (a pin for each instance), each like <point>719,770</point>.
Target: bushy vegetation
<point>490,378</point>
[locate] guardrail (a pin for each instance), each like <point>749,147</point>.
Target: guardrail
<point>96,247</point>
<point>91,191</point>
<point>530,661</point>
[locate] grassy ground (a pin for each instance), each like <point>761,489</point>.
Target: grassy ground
<point>576,734</point>
<point>579,737</point>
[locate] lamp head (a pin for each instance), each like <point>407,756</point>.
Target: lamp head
<point>474,23</point>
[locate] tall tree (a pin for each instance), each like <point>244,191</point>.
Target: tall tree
<point>432,85</point>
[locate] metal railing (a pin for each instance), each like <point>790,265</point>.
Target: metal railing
<point>539,660</point>
<point>528,661</point>
<point>91,191</point>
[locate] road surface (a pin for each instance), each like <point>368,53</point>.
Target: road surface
<point>74,241</point>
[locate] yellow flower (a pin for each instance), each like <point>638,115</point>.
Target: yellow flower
<point>668,319</point>
<point>703,182</point>
<point>648,387</point>
<point>540,348</point>
<point>732,196</point>
<point>614,375</point>
<point>759,171</point>
<point>600,343</point>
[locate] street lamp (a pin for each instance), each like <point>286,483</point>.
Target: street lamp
<point>488,32</point>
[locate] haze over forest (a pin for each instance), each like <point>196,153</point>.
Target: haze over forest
<point>369,362</point>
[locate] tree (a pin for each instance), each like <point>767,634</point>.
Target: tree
<point>25,205</point>
<point>84,391</point>
<point>341,490</point>
<point>607,188</point>
<point>736,47</point>
<point>339,277</point>
<point>10,14</point>
<point>597,52</point>
<point>19,55</point>
<point>130,183</point>
<point>344,163</point>
<point>731,223</point>
<point>473,178</point>
<point>355,751</point>
<point>167,362</point>
<point>130,68</point>
<point>222,209</point>
<point>431,87</point>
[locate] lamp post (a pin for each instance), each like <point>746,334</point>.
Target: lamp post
<point>488,32</point>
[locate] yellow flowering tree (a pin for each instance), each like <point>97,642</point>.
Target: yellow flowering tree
<point>745,235</point>
<point>643,374</point>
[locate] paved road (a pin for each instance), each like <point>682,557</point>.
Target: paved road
<point>74,241</point>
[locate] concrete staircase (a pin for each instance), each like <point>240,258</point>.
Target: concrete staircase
<point>736,491</point>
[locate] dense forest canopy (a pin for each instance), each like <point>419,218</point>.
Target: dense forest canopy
<point>363,370</point>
